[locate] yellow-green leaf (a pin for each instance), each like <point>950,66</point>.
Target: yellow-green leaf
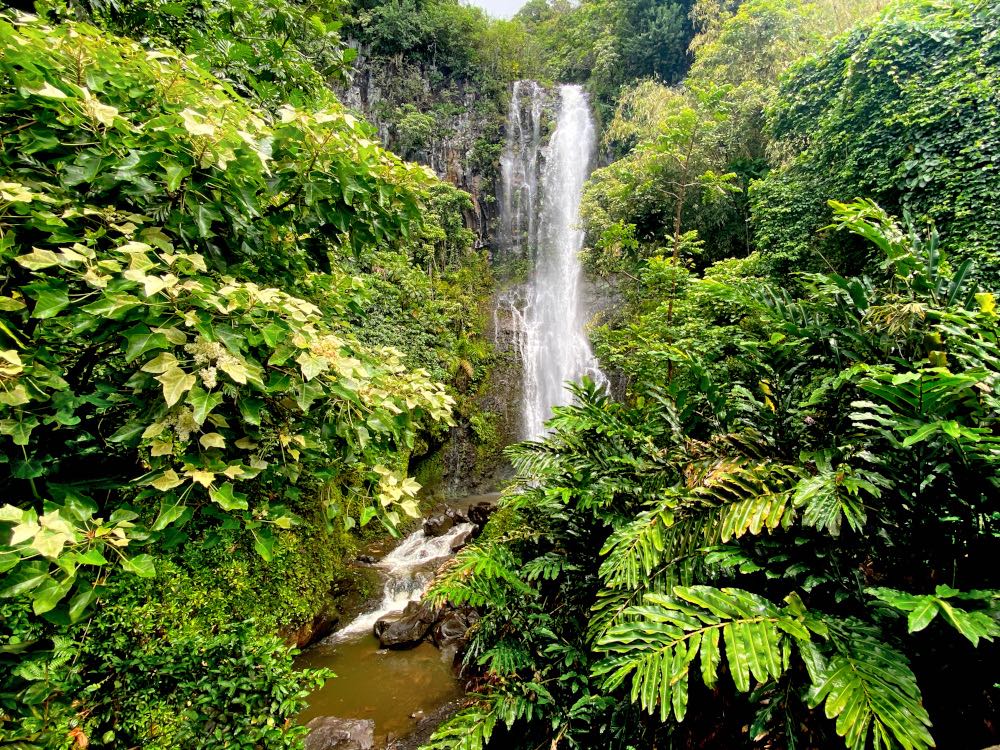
<point>176,383</point>
<point>212,440</point>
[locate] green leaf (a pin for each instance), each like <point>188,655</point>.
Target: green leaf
<point>212,440</point>
<point>367,514</point>
<point>160,363</point>
<point>922,615</point>
<point>202,403</point>
<point>49,593</point>
<point>166,481</point>
<point>91,557</point>
<point>141,340</point>
<point>11,514</point>
<point>38,259</point>
<point>264,543</point>
<point>25,578</point>
<point>169,512</point>
<point>50,299</point>
<point>311,365</point>
<point>227,498</point>
<point>78,604</point>
<point>50,543</point>
<point>142,565</point>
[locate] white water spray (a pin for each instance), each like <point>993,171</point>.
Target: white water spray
<point>550,318</point>
<point>408,571</point>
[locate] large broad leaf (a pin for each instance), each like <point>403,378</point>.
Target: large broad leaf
<point>141,565</point>
<point>176,383</point>
<point>202,403</point>
<point>141,340</point>
<point>227,498</point>
<point>51,298</point>
<point>49,593</point>
<point>25,578</point>
<point>658,641</point>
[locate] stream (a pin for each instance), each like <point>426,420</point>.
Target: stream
<point>395,689</point>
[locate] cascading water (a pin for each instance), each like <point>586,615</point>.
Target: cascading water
<point>549,319</point>
<point>519,169</point>
<point>392,689</point>
<point>408,570</point>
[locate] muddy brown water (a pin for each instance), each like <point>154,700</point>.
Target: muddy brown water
<point>385,686</point>
<point>397,689</point>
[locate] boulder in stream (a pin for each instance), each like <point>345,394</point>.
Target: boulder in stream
<point>332,733</point>
<point>439,525</point>
<point>453,626</point>
<point>480,513</point>
<point>405,629</point>
<point>463,538</point>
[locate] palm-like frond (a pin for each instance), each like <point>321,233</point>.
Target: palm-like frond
<point>658,646</point>
<point>868,688</point>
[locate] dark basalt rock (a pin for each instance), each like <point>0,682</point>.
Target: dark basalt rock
<point>405,629</point>
<point>480,513</point>
<point>332,733</point>
<point>451,629</point>
<point>462,539</point>
<point>438,525</point>
<point>316,628</point>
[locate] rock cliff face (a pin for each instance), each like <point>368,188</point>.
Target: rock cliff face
<point>452,126</point>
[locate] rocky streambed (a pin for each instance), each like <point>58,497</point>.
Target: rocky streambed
<point>397,663</point>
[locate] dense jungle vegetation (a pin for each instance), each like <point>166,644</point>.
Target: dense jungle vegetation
<point>781,530</point>
<point>235,329</point>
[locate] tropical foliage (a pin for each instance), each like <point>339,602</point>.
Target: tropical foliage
<point>897,111</point>
<point>781,543</point>
<point>181,370</point>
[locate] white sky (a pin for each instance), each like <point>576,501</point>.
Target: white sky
<point>499,8</point>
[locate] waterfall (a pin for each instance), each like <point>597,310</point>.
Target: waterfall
<point>519,170</point>
<point>548,315</point>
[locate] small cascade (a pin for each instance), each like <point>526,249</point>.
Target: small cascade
<point>548,316</point>
<point>408,570</point>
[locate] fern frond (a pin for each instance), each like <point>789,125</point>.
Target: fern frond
<point>833,496</point>
<point>469,729</point>
<point>478,575</point>
<point>870,690</point>
<point>547,567</point>
<point>657,648</point>
<point>726,500</point>
<point>505,658</point>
